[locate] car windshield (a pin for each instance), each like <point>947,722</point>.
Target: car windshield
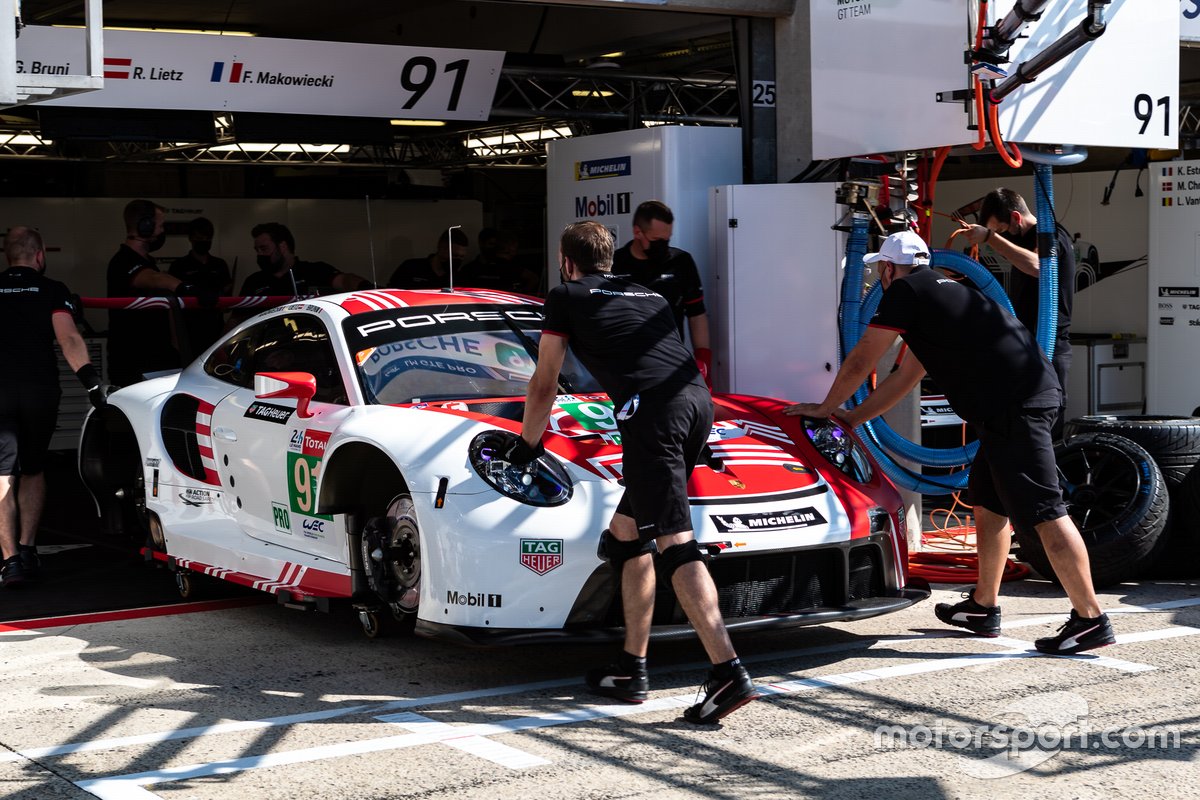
<point>416,355</point>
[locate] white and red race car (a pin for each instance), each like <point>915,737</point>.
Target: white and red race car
<point>344,448</point>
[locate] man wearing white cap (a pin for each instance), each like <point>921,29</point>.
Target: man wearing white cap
<point>997,379</point>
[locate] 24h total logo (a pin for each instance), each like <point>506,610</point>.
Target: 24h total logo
<point>541,555</point>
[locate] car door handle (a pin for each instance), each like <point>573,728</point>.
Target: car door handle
<point>224,434</point>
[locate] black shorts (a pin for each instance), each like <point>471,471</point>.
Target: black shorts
<point>1015,474</point>
<point>28,416</point>
<point>662,441</point>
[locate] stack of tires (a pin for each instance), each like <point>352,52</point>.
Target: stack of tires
<point>1131,485</point>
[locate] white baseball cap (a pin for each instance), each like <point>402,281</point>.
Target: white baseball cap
<point>904,247</point>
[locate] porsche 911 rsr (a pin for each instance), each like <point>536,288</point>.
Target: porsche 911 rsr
<point>346,449</point>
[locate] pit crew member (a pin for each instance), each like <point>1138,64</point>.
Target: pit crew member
<point>997,379</point>
<point>34,311</point>
<point>648,259</point>
<point>626,336</point>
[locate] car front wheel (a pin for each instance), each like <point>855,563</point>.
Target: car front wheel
<point>391,555</point>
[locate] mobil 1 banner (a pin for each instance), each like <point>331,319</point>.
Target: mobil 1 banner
<point>146,69</point>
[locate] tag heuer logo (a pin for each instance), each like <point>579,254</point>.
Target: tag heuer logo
<point>541,555</point>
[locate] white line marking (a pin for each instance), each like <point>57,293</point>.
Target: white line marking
<point>1150,608</point>
<point>480,746</point>
<point>475,694</point>
<point>100,786</point>
<point>1093,656</point>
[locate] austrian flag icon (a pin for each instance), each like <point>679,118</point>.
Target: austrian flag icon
<point>117,68</point>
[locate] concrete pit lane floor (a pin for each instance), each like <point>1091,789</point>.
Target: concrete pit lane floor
<point>261,702</point>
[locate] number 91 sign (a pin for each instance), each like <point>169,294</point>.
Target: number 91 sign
<point>1102,94</point>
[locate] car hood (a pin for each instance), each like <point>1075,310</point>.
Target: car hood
<point>747,453</point>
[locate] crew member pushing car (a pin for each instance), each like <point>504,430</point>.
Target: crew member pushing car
<point>998,380</point>
<point>34,311</point>
<point>626,336</point>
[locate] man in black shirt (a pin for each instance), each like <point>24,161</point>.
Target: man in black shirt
<point>281,273</point>
<point>34,312</point>
<point>202,269</point>
<point>996,379</point>
<point>649,259</point>
<point>433,271</point>
<point>140,341</point>
<point>625,335</point>
<point>1004,212</point>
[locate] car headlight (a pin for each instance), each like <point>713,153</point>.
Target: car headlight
<point>838,447</point>
<point>543,482</point>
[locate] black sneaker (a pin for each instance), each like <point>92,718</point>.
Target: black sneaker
<point>1078,634</point>
<point>630,684</point>
<point>980,620</point>
<point>30,563</point>
<point>12,573</point>
<point>721,696</point>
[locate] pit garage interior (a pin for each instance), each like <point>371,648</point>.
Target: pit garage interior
<point>367,192</point>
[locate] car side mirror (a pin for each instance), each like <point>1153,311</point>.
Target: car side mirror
<point>300,386</point>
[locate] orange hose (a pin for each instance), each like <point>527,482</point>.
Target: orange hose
<point>981,124</point>
<point>1015,160</point>
<point>950,568</point>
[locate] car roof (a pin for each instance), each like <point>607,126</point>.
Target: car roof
<point>381,299</point>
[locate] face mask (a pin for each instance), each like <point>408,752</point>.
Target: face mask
<point>562,272</point>
<point>201,248</point>
<point>658,250</point>
<point>156,243</point>
<point>265,263</point>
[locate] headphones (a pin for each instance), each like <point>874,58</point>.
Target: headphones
<point>145,225</point>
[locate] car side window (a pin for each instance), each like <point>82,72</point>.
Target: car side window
<point>231,362</point>
<point>299,343</point>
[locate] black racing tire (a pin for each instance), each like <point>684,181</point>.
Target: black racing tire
<point>1179,548</point>
<point>1173,442</point>
<point>391,554</point>
<point>1118,499</point>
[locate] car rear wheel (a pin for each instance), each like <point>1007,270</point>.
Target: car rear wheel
<point>391,556</point>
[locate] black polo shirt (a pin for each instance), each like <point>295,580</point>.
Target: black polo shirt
<point>1023,288</point>
<point>677,279</point>
<point>981,356</point>
<point>138,341</point>
<point>204,326</point>
<point>28,301</point>
<point>623,333</point>
<point>309,277</point>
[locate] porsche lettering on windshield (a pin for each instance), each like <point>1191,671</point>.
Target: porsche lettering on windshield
<point>410,321</point>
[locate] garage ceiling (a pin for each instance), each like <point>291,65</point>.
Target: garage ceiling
<point>672,66</point>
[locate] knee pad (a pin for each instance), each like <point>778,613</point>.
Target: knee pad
<point>617,552</point>
<point>676,556</point>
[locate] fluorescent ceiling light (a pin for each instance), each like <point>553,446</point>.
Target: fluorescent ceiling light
<point>275,147</point>
<point>431,123</point>
<point>510,141</point>
<point>617,54</point>
<point>167,30</point>
<point>23,139</point>
<point>591,92</point>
